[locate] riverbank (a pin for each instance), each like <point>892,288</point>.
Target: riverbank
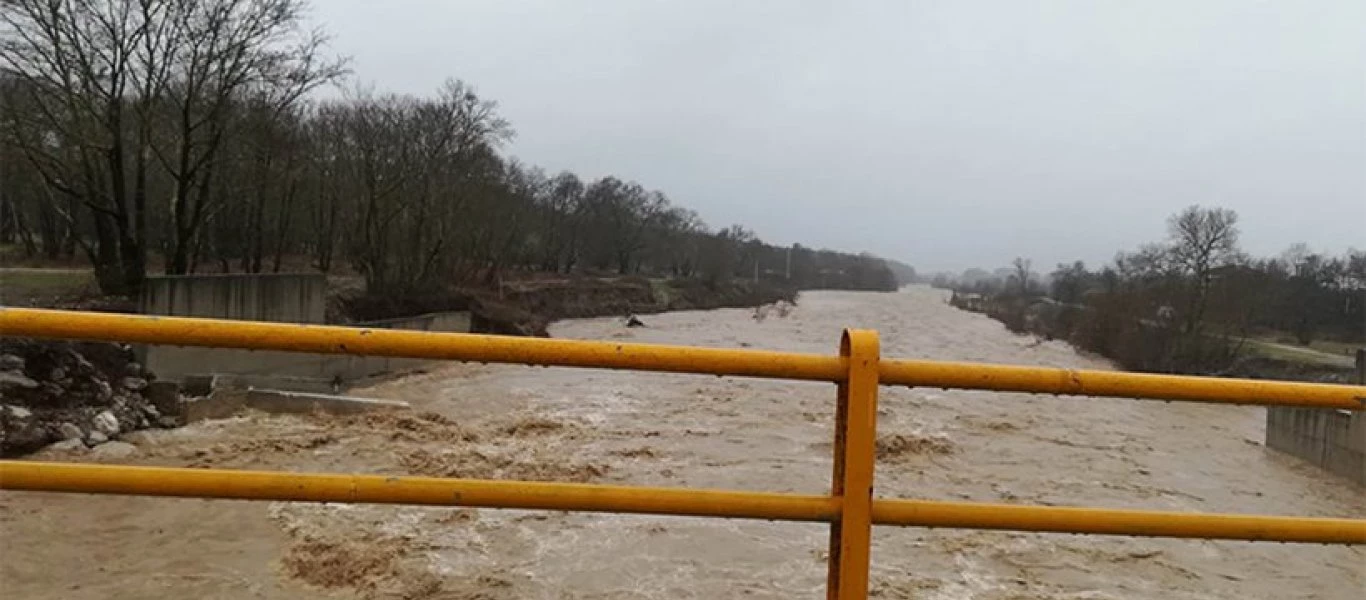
<point>527,306</point>
<point>523,304</point>
<point>1150,346</point>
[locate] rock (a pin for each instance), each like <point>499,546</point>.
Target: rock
<point>70,445</point>
<point>168,422</point>
<point>69,431</point>
<point>96,438</point>
<point>19,432</point>
<point>57,374</point>
<point>85,365</point>
<point>136,384</point>
<point>115,450</point>
<point>150,411</point>
<point>11,362</point>
<point>106,423</point>
<point>10,379</point>
<point>141,439</point>
<point>105,391</point>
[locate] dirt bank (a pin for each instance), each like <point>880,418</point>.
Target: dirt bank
<point>528,305</point>
<point>679,430</point>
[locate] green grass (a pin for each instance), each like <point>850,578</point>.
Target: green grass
<point>1326,346</point>
<point>23,286</point>
<point>1333,347</point>
<point>1299,354</point>
<point>661,290</point>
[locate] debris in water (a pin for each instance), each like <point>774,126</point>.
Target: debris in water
<point>333,563</point>
<point>899,446</point>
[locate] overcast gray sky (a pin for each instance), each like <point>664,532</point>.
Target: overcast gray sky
<point>946,134</point>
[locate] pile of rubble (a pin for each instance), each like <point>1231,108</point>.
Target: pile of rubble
<point>76,394</point>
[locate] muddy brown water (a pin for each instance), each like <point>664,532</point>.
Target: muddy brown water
<point>696,431</point>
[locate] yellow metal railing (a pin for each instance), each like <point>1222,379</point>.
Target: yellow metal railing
<point>850,508</point>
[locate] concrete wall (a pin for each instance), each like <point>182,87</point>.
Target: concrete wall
<point>298,371</point>
<point>1332,439</point>
<point>281,297</point>
<point>287,298</point>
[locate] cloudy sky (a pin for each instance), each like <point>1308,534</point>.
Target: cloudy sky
<point>946,134</point>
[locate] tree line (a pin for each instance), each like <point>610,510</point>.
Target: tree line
<point>1186,304</point>
<point>189,131</point>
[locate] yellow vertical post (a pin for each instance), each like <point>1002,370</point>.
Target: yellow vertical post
<point>855,438</point>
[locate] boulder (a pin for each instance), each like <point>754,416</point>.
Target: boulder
<point>11,379</point>
<point>18,428</point>
<point>11,362</point>
<point>135,384</point>
<point>71,445</point>
<point>69,431</point>
<point>106,423</point>
<point>115,450</point>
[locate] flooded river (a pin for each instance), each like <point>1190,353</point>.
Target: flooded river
<point>681,430</point>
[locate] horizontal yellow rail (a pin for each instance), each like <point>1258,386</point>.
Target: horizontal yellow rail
<point>654,357</point>
<point>325,339</point>
<point>1105,521</point>
<point>380,489</point>
<point>1117,384</point>
<point>323,487</point>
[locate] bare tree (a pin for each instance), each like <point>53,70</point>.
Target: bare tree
<point>1021,268</point>
<point>425,186</point>
<point>117,87</point>
<point>560,217</point>
<point>1201,241</point>
<point>228,53</point>
<point>85,68</point>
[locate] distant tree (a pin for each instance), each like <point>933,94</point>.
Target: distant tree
<point>1021,275</point>
<point>1308,299</point>
<point>129,127</point>
<point>76,66</point>
<point>1069,282</point>
<point>129,99</point>
<point>1201,241</point>
<point>560,222</point>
